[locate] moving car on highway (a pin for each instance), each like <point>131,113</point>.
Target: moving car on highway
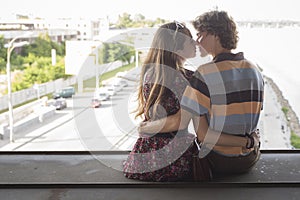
<point>64,92</point>
<point>102,94</point>
<point>96,103</point>
<point>59,103</point>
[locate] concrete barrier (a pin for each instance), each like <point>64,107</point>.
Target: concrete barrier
<point>24,124</point>
<point>47,112</point>
<point>39,115</point>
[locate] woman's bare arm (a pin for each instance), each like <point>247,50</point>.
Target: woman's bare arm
<point>175,122</point>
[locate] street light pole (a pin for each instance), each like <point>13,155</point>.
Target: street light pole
<point>10,106</point>
<point>10,47</point>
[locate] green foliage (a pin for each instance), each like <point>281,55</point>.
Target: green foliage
<point>2,54</point>
<point>295,140</point>
<point>19,83</point>
<point>34,63</point>
<point>42,47</point>
<point>16,60</point>
<point>60,48</point>
<point>40,70</point>
<point>110,52</point>
<point>125,21</point>
<point>2,64</point>
<point>103,53</point>
<point>285,110</point>
<point>39,48</point>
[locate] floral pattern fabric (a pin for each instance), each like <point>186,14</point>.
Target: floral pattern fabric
<point>164,156</point>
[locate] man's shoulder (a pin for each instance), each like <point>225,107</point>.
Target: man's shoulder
<point>208,68</point>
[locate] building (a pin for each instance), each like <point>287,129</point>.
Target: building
<point>59,30</point>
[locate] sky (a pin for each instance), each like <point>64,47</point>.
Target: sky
<point>152,9</point>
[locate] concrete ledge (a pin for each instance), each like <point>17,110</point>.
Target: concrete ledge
<point>86,175</point>
<point>105,168</point>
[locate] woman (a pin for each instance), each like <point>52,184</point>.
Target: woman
<point>224,99</point>
<point>165,156</point>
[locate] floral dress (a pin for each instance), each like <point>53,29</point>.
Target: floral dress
<point>164,156</point>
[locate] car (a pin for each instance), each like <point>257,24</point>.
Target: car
<point>121,74</point>
<point>64,93</point>
<point>96,103</point>
<point>123,83</point>
<point>111,90</point>
<point>102,94</point>
<point>119,83</point>
<point>117,87</point>
<point>60,104</point>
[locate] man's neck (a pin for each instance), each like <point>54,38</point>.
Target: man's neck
<point>220,51</point>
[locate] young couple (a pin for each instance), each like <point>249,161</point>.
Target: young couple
<point>223,98</point>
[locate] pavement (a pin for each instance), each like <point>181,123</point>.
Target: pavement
<point>274,129</point>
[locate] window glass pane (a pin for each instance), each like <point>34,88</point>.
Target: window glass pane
<point>74,83</point>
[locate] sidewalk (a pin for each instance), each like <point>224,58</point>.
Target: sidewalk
<point>274,129</point>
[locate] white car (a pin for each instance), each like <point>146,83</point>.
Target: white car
<point>118,87</point>
<point>102,94</point>
<point>119,84</point>
<point>111,90</point>
<point>123,83</point>
<point>114,86</point>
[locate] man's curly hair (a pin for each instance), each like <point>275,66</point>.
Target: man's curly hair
<point>219,24</point>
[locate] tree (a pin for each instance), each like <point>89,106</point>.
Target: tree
<point>103,53</point>
<point>34,63</point>
<point>126,53</point>
<point>39,70</point>
<point>124,21</point>
<point>3,53</point>
<point>42,47</point>
<point>139,20</point>
<point>2,64</point>
<point>110,52</point>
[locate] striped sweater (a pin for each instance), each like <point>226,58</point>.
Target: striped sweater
<point>229,92</point>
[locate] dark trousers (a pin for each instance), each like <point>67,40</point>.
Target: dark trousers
<point>223,165</point>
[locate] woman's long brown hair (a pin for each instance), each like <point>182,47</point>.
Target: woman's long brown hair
<point>160,58</point>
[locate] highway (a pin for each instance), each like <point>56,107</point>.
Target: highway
<point>80,127</point>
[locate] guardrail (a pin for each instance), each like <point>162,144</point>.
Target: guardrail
<point>21,112</point>
<point>35,92</point>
